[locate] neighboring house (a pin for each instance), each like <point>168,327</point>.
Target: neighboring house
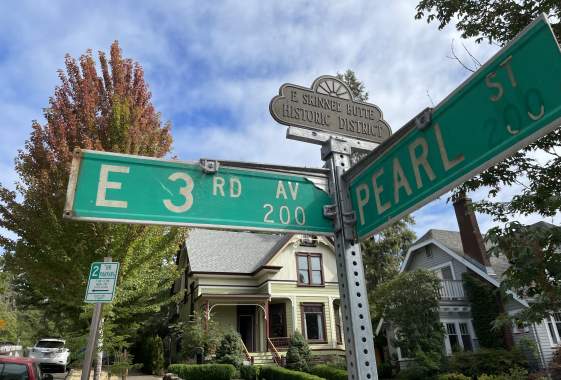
<point>441,252</point>
<point>264,286</point>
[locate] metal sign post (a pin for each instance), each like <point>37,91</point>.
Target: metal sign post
<point>361,359</point>
<point>92,337</point>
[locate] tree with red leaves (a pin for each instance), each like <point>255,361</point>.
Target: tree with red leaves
<point>50,257</point>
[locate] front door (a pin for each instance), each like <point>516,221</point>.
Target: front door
<point>246,326</point>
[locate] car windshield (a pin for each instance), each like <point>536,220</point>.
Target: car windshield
<point>50,344</point>
<point>13,371</point>
<point>7,344</point>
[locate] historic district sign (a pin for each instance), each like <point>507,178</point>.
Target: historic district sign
<point>329,106</point>
<point>101,282</point>
<point>514,99</point>
<point>132,189</point>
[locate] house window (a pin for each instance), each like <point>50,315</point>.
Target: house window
<point>338,330</point>
<point>458,336</point>
<point>554,327</point>
<point>466,338</point>
<point>313,322</point>
<point>309,268</point>
<point>452,336</point>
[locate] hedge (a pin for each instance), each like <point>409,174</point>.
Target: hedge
<point>329,373</point>
<point>203,371</point>
<point>279,373</point>
<point>249,372</point>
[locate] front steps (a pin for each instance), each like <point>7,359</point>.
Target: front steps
<point>262,358</point>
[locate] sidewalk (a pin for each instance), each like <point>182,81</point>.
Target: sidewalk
<point>75,374</point>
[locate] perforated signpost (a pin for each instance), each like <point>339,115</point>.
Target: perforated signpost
<point>510,102</point>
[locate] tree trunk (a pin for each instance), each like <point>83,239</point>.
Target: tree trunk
<point>126,370</point>
<point>99,356</point>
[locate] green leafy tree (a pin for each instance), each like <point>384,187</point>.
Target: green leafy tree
<point>298,355</point>
<point>410,303</point>
<point>50,257</point>
<point>529,250</point>
<point>230,349</point>
<point>384,252</point>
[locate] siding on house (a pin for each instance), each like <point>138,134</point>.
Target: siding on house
<point>420,260</point>
<point>545,342</point>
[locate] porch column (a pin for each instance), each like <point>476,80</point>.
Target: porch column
<point>267,326</point>
<point>207,315</point>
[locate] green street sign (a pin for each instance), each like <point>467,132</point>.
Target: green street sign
<point>511,101</point>
<point>111,187</point>
<point>102,282</point>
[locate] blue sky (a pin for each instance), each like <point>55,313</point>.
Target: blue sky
<point>213,67</point>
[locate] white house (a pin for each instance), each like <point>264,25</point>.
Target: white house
<point>441,251</point>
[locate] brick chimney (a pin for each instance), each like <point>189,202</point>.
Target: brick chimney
<point>472,241</point>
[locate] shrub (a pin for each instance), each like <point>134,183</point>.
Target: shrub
<point>279,373</point>
<point>195,335</point>
<point>203,371</point>
<point>516,373</point>
<point>153,358</point>
<point>453,376</point>
<point>385,370</point>
<point>486,361</point>
<point>249,372</point>
<point>555,365</point>
<point>414,373</point>
<point>298,355</point>
<point>230,350</point>
<point>329,373</point>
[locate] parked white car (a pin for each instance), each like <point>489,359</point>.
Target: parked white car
<point>10,349</point>
<point>51,354</point>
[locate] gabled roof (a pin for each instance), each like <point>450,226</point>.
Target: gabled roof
<point>216,251</point>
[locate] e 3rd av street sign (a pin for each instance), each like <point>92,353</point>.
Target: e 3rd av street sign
<point>511,101</point>
<point>112,187</point>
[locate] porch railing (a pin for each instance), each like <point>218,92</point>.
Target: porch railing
<point>276,355</point>
<point>452,290</point>
<point>248,357</point>
<point>281,341</point>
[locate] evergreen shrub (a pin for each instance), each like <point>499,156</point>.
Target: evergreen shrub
<point>230,350</point>
<point>298,355</point>
<point>279,373</point>
<point>328,372</point>
<point>203,371</point>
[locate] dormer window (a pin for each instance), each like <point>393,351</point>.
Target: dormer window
<point>309,266</point>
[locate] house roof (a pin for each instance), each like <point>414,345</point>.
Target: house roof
<point>231,252</point>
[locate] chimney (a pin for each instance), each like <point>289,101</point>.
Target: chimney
<point>472,241</point>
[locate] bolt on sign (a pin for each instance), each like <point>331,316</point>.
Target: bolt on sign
<point>511,101</point>
<point>329,106</point>
<point>114,187</point>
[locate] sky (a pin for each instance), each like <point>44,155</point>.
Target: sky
<point>213,67</point>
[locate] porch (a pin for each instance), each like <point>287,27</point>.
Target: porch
<point>262,322</point>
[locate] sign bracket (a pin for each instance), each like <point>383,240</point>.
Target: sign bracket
<point>209,166</point>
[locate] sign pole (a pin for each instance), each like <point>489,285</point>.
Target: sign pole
<point>361,359</point>
<point>92,338</point>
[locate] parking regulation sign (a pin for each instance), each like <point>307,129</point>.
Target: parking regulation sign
<point>101,282</point>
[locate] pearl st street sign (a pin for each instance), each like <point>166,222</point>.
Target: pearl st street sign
<point>226,195</point>
<point>101,282</point>
<point>511,101</point>
<point>329,106</point>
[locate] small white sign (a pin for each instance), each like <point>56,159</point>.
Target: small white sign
<point>102,282</point>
